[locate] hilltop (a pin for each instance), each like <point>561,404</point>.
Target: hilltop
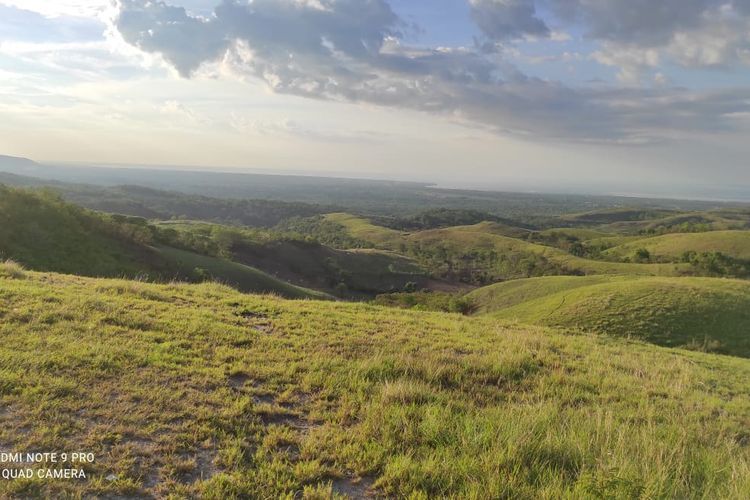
<point>198,390</point>
<point>698,313</point>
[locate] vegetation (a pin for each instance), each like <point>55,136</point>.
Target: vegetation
<point>696,313</point>
<point>42,232</point>
<point>481,254</point>
<point>198,390</point>
<point>239,276</point>
<point>298,259</point>
<point>671,247</point>
<point>444,217</point>
<point>427,301</point>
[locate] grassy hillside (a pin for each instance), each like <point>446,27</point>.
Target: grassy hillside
<point>302,260</point>
<point>362,229</point>
<point>700,313</point>
<point>44,233</point>
<point>735,244</point>
<point>479,254</point>
<point>197,390</point>
<point>243,278</point>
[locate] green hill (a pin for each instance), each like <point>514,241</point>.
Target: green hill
<point>701,313</point>
<point>200,391</point>
<point>302,261</point>
<point>362,229</point>
<point>44,233</point>
<point>614,215</point>
<point>243,278</point>
<point>478,254</point>
<point>735,244</point>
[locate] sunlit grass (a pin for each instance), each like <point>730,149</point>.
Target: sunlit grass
<point>198,390</point>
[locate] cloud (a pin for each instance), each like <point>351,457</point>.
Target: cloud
<point>351,50</point>
<point>508,19</point>
<point>693,33</point>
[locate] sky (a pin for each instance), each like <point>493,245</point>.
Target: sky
<point>617,96</point>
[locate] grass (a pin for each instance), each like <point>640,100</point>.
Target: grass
<point>43,233</point>
<point>200,391</point>
<point>698,313</point>
<point>12,270</point>
<point>468,239</point>
<point>735,244</point>
<point>362,229</point>
<point>243,278</point>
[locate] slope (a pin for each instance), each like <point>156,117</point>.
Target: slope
<point>489,255</point>
<point>44,233</point>
<point>200,391</point>
<point>703,313</point>
<point>243,278</point>
<point>303,261</point>
<point>735,244</point>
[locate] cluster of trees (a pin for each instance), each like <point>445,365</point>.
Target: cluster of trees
<point>317,228</point>
<point>478,266</point>
<point>568,242</point>
<point>717,264</point>
<point>437,218</point>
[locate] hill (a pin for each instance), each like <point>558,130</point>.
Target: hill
<point>47,234</point>
<point>700,313</point>
<point>482,254</point>
<point>357,273</point>
<point>735,244</point>
<point>44,233</point>
<point>200,391</point>
<point>243,278</point>
<point>613,215</point>
<point>16,162</point>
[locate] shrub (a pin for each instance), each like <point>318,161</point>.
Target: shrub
<point>12,269</point>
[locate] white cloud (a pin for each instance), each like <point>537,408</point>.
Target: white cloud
<point>349,50</point>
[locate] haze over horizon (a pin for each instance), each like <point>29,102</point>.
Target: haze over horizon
<point>614,96</point>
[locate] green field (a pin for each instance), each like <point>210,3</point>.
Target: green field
<point>735,244</point>
<point>698,313</point>
<point>362,229</point>
<point>198,390</point>
<point>463,243</point>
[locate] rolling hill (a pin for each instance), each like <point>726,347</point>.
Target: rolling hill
<point>44,233</point>
<point>701,313</point>
<point>189,391</point>
<point>735,244</point>
<point>491,254</point>
<point>356,273</point>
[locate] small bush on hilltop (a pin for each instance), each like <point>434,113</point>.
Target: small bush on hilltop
<point>11,269</point>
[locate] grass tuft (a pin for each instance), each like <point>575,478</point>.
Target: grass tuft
<point>13,270</point>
